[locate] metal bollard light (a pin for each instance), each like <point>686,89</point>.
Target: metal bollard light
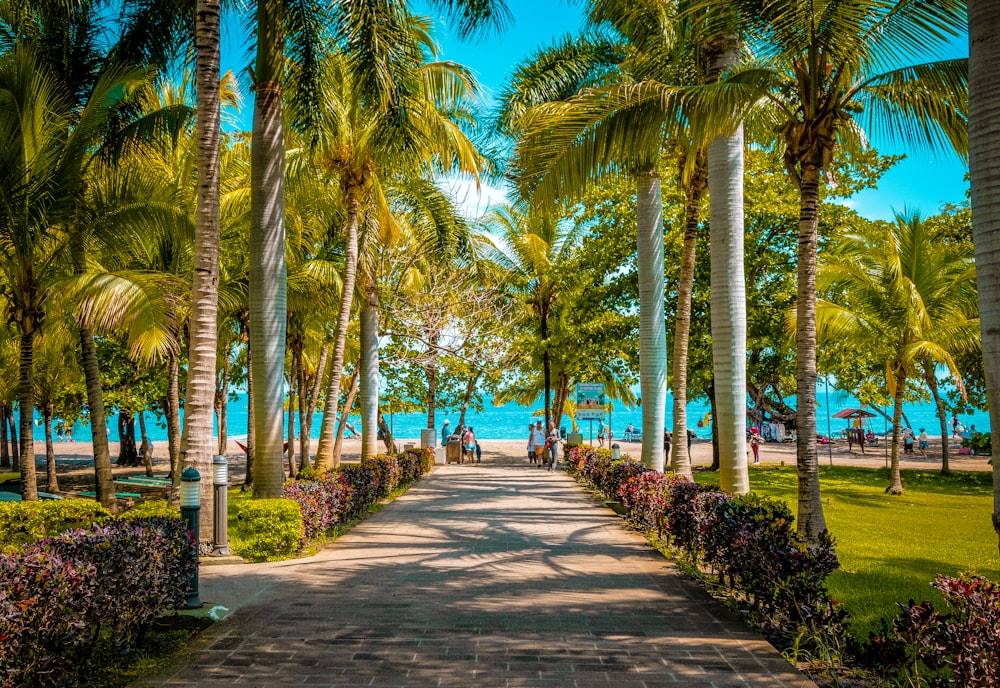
<point>190,509</point>
<point>616,452</point>
<point>220,527</point>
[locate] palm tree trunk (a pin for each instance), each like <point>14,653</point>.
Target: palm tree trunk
<point>327,437</point>
<point>26,402</point>
<point>251,427</point>
<point>546,367</point>
<point>942,415</point>
<point>369,371</point>
<point>352,392</point>
<point>292,472</point>
<point>268,270</point>
<point>4,446</point>
<point>652,331</point>
<point>387,439</point>
<point>196,437</point>
<point>810,513</point>
<point>51,482</point>
<point>895,481</point>
<point>314,392</point>
<point>430,373</point>
<point>15,449</point>
<point>681,458</point>
<point>146,447</point>
<point>729,316</point>
<point>984,168</point>
<point>174,416</point>
<point>104,479</point>
<point>303,412</point>
<point>222,405</point>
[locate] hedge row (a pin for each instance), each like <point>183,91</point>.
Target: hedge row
<point>70,601</point>
<point>335,497</point>
<point>748,543</point>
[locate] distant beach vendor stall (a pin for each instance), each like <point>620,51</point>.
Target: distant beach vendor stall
<point>855,430</point>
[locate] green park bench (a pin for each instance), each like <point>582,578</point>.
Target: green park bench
<point>118,495</point>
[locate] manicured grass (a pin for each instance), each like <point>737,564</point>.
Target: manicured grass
<point>890,548</point>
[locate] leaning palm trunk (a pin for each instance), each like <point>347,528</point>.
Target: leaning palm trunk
<point>810,517</point>
<point>895,480</point>
<point>327,437</point>
<point>729,302</point>
<point>98,422</point>
<point>292,470</point>
<point>314,392</point>
<point>942,415</point>
<point>196,438</point>
<point>652,331</point>
<point>303,412</point>
<point>268,270</point>
<point>51,481</point>
<point>352,392</point>
<point>984,167</point>
<point>173,416</point>
<point>369,371</point>
<point>681,458</point>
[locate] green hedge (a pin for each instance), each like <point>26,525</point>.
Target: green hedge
<point>22,523</point>
<point>266,529</point>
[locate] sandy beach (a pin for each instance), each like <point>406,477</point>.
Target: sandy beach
<point>75,471</point>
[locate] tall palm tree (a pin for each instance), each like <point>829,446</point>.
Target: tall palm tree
<point>984,154</point>
<point>374,41</point>
<point>894,290</point>
<point>196,441</point>
<point>829,72</point>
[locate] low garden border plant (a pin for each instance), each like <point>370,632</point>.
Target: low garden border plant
<point>745,549</point>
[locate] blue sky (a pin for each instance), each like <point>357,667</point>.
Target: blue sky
<point>922,182</point>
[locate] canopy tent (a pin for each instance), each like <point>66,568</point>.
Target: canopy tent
<point>853,413</point>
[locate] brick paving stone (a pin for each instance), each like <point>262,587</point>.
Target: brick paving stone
<point>479,576</point>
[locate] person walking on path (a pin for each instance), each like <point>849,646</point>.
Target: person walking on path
<point>538,442</point>
<point>444,432</point>
<point>553,447</point>
<point>531,443</point>
<point>755,447</point>
<point>924,442</point>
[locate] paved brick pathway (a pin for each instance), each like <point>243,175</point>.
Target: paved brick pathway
<point>480,576</point>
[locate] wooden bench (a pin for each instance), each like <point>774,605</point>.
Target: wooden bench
<point>118,495</point>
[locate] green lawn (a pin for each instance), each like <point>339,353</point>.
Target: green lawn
<point>890,548</point>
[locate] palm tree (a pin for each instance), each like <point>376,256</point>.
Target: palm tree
<point>827,71</point>
<point>533,247</point>
<point>898,292</point>
<point>374,42</point>
<point>984,153</point>
<point>199,403</point>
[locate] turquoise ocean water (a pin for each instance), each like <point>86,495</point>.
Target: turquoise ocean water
<point>511,421</point>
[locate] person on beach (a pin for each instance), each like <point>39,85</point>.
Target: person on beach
<point>667,439</point>
<point>531,443</point>
<point>600,434</point>
<point>444,432</point>
<point>755,447</point>
<point>907,441</point>
<point>923,442</point>
<point>469,444</point>
<point>954,424</point>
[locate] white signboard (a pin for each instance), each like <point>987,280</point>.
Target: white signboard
<point>590,401</point>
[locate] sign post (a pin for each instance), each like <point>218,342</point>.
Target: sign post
<point>590,404</point>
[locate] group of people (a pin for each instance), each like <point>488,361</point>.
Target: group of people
<point>543,449</point>
<point>467,436</point>
<point>909,440</point>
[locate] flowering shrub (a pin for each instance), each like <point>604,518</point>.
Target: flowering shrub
<point>645,497</point>
<point>961,647</point>
<point>334,497</point>
<point>67,601</point>
<point>323,501</point>
<point>748,541</point>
